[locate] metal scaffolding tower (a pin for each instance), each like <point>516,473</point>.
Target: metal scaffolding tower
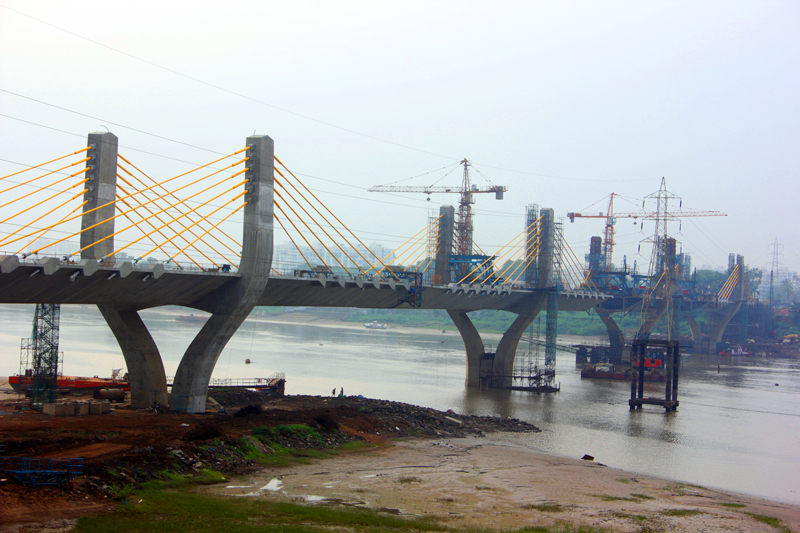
<point>40,359</point>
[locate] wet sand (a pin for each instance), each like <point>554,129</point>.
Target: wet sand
<point>496,483</point>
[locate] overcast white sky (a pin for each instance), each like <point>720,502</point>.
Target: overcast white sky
<point>563,102</point>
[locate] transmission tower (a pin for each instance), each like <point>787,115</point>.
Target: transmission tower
<point>774,271</point>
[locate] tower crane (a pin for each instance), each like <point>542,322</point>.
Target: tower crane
<point>463,233</point>
<point>661,215</point>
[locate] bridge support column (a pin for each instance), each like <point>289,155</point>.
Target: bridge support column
<point>699,341</point>
<point>507,349</point>
<point>473,345</point>
<point>145,368</point>
<point>493,372</point>
<point>231,308</point>
<point>616,338</point>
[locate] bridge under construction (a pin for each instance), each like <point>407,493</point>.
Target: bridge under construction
<point>184,222</point>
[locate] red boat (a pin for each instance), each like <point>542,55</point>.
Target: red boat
<point>21,384</point>
<point>607,371</point>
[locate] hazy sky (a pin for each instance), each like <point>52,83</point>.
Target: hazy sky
<point>563,102</point>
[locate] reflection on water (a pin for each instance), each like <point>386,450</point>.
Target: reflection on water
<point>734,429</point>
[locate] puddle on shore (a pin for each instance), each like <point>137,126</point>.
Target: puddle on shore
<point>274,485</point>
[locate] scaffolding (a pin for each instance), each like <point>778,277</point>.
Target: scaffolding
<point>40,359</point>
<point>528,373</point>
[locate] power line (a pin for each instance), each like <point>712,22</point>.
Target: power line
<point>272,106</point>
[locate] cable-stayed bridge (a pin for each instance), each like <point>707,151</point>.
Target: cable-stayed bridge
<point>204,239</point>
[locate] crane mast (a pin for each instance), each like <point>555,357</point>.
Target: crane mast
<point>462,243</point>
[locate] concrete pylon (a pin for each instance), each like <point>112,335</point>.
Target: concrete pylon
<point>145,368</point>
<point>101,190</point>
<point>190,386</point>
<point>444,247</point>
<point>721,319</point>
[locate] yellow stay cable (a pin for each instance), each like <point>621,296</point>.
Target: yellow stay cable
<point>312,231</point>
<point>433,257</point>
<point>114,201</point>
<point>510,257</point>
<point>130,209</point>
<point>151,224</point>
<point>159,219</point>
<point>420,242</point>
<point>419,251</point>
<point>220,222</point>
<point>48,162</point>
<point>68,200</point>
<point>169,207</point>
<point>523,232</point>
<point>323,218</point>
<point>182,202</point>
<point>40,190</point>
<point>528,255</point>
<point>278,183</point>
<point>523,236</point>
<point>534,254</point>
<point>395,251</point>
<point>302,236</point>
<point>339,221</point>
<point>727,289</point>
<point>295,244</point>
<point>2,241</point>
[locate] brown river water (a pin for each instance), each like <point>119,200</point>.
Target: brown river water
<point>737,428</point>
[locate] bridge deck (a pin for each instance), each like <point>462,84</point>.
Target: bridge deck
<point>52,281</point>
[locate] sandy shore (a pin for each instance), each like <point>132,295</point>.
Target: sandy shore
<point>494,482</point>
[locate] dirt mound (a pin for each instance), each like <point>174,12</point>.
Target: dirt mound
<point>129,447</point>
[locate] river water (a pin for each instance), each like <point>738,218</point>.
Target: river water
<point>737,428</point>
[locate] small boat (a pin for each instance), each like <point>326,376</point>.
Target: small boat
<point>607,371</point>
<point>21,384</point>
<point>192,318</point>
<point>375,325</point>
<point>735,350</point>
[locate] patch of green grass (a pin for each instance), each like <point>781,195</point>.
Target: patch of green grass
<point>773,521</point>
<point>637,517</point>
<point>544,507</point>
<point>173,480</point>
<point>682,512</point>
<point>642,496</point>
<point>121,493</point>
<point>409,479</point>
<point>624,480</point>
<point>483,487</point>
<point>681,488</point>
<point>171,511</point>
<point>609,498</point>
<point>295,431</point>
<point>734,505</point>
